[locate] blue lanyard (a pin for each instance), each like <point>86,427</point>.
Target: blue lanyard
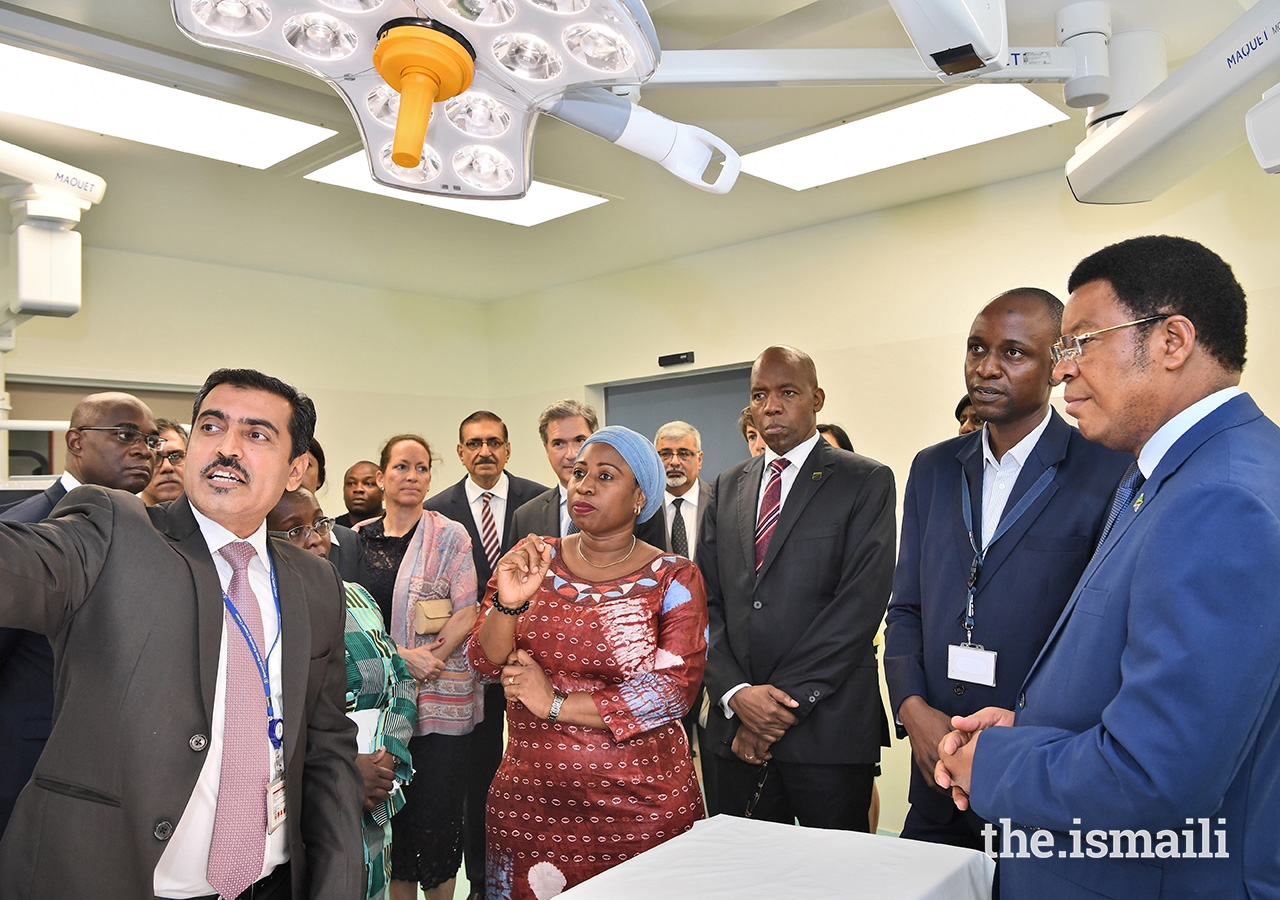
<point>1007,521</point>
<point>275,725</point>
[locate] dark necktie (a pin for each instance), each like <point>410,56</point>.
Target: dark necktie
<point>770,507</point>
<point>1128,486</point>
<point>488,531</point>
<point>679,537</point>
<point>240,822</point>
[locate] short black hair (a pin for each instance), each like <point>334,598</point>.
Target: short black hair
<point>482,415</point>
<point>965,402</point>
<point>1159,274</point>
<point>302,419</point>
<point>1052,305</point>
<point>841,436</point>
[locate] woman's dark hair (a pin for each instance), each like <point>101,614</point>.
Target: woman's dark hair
<point>842,439</point>
<point>385,457</point>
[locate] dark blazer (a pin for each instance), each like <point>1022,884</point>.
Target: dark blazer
<point>1027,577</point>
<point>130,598</point>
<point>1154,700</point>
<point>26,679</point>
<point>805,624</point>
<point>345,555</point>
<point>452,504</point>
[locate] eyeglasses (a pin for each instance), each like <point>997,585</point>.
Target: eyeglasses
<point>1071,346</point>
<point>176,457</point>
<point>300,533</point>
<point>684,454</point>
<point>129,436</point>
<point>491,443</point>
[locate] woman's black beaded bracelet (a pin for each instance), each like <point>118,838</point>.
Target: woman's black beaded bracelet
<point>510,612</point>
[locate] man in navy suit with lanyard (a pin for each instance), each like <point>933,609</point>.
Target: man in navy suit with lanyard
<point>997,527</point>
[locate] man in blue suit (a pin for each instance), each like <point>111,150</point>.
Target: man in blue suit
<point>1037,487</point>
<point>1150,719</point>
<point>106,445</point>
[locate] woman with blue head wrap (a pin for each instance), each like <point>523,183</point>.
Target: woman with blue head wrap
<point>599,641</point>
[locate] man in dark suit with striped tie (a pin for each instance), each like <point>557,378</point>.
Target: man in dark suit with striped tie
<point>797,550</point>
<point>484,503</point>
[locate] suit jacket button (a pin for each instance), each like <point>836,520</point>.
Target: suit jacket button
<point>757,604</point>
<point>958,689</point>
<point>164,830</point>
<point>198,742</point>
<point>1022,701</point>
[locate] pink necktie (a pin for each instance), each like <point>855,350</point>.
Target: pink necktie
<point>240,823</point>
<point>769,508</point>
<point>488,531</point>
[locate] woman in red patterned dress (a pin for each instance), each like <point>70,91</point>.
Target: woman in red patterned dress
<point>600,644</point>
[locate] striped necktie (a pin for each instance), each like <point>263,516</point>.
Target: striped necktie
<point>488,531</point>
<point>769,508</point>
<point>240,821</point>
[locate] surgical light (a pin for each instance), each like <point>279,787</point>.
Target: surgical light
<point>483,168</point>
<point>427,170</point>
<point>320,36</point>
<point>477,114</point>
<point>483,12</point>
<point>232,17</point>
<point>600,48</point>
<point>527,56</point>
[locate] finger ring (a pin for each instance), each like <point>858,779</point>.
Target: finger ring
<point>749,756</point>
<point>511,679</point>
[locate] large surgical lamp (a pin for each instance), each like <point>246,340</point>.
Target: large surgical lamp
<point>471,76</point>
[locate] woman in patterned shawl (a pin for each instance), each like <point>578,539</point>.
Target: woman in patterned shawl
<point>600,644</point>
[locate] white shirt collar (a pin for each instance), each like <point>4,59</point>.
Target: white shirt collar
<point>69,481</point>
<point>1167,435</point>
<point>798,454</point>
<point>499,490</point>
<point>218,537</point>
<point>1021,450</point>
<point>690,497</point>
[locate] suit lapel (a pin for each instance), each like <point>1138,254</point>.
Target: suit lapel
<point>295,645</point>
<point>810,478</point>
<point>1050,450</point>
<point>748,489</point>
<point>970,459</point>
<point>181,528</point>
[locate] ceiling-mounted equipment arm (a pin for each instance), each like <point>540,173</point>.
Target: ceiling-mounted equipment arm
<point>684,150</point>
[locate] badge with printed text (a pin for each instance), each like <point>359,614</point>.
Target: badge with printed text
<point>275,804</point>
<point>971,663</point>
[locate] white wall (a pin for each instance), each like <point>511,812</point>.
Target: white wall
<point>882,302</point>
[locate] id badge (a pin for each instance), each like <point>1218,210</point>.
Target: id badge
<point>275,804</point>
<point>971,663</point>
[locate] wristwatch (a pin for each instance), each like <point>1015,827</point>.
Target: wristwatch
<point>555,706</point>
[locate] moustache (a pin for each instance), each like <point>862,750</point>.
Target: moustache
<point>225,462</point>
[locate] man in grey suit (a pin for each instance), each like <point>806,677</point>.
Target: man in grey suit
<point>485,504</point>
<point>199,745</point>
<point>797,549</point>
<point>112,442</point>
<point>563,427</point>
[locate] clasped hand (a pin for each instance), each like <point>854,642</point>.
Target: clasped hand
<point>955,751</point>
<point>422,662</point>
<point>765,715</point>
<point>525,681</point>
<point>379,777</point>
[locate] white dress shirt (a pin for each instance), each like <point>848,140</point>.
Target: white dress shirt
<point>999,476</point>
<point>564,511</point>
<point>688,512</point>
<point>497,503</point>
<point>181,870</point>
<point>1159,443</point>
<point>796,457</point>
<point>70,482</point>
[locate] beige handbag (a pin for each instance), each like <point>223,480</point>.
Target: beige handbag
<point>429,616</point>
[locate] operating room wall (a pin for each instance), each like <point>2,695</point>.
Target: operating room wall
<point>883,302</point>
<point>376,362</point>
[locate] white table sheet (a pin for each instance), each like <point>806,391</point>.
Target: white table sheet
<point>733,858</point>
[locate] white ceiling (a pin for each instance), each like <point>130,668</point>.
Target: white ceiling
<point>170,204</point>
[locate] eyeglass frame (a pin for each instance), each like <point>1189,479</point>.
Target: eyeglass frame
<point>684,453</point>
<point>181,454</point>
<point>1060,352</point>
<point>492,443</point>
<point>322,526</point>
<point>153,441</point>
